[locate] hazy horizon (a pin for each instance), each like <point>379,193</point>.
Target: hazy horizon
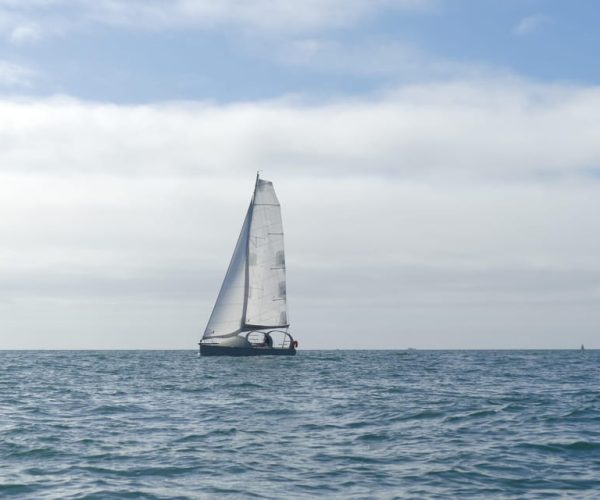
<point>437,164</point>
<point>399,349</point>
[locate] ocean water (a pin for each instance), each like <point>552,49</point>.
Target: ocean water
<point>339,424</point>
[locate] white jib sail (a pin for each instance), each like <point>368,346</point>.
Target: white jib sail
<point>227,315</point>
<point>253,293</point>
<point>266,302</point>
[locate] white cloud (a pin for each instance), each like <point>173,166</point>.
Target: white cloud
<point>279,15</point>
<point>15,75</point>
<point>25,33</point>
<point>373,58</point>
<point>480,129</point>
<point>448,215</point>
<point>531,24</point>
<point>31,19</point>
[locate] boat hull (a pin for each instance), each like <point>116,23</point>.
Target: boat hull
<point>219,350</point>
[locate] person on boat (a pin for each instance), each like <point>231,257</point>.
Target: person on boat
<point>268,340</point>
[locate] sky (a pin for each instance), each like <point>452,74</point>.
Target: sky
<point>437,162</point>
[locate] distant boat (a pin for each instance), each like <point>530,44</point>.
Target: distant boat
<point>582,348</point>
<point>249,317</point>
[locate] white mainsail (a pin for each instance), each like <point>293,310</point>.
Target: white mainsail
<point>253,293</point>
<point>266,305</point>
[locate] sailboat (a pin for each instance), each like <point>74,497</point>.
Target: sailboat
<point>250,316</point>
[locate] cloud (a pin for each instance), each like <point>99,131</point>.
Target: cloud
<point>15,75</point>
<point>507,129</point>
<point>531,24</point>
<point>373,59</point>
<point>31,19</point>
<point>23,34</point>
<point>278,15</point>
<point>136,262</point>
<point>461,214</point>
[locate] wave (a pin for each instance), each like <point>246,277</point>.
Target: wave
<point>343,424</point>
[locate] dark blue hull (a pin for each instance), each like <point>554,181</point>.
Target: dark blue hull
<point>217,350</point>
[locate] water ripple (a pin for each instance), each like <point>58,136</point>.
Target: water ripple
<point>343,424</point>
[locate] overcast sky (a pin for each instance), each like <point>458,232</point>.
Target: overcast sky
<point>437,162</point>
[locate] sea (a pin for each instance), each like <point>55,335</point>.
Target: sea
<point>327,424</point>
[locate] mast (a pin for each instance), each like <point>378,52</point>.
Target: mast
<point>247,270</point>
